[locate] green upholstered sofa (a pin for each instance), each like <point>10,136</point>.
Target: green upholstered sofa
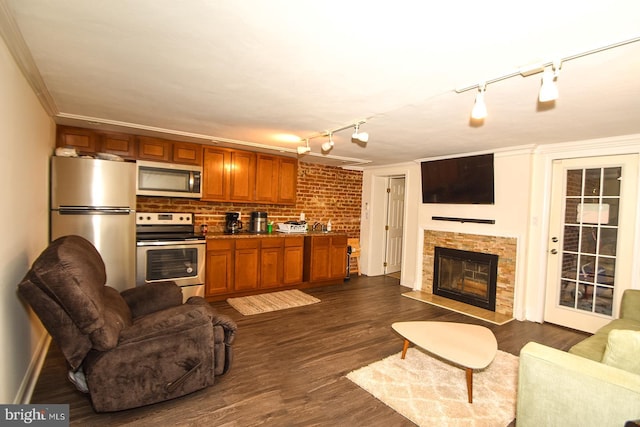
<point>596,383</point>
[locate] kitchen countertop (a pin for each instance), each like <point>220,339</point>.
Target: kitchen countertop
<point>246,235</point>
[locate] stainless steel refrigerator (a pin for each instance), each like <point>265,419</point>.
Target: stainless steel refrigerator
<point>96,199</point>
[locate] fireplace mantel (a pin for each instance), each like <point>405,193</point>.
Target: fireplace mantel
<point>504,247</point>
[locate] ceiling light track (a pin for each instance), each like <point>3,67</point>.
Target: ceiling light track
<point>328,145</point>
<point>528,70</point>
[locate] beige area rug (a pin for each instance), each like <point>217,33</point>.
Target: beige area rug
<point>431,392</point>
<point>264,303</point>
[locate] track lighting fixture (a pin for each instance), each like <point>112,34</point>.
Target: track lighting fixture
<point>305,149</point>
<point>479,110</point>
<point>359,136</point>
<point>327,146</point>
<point>549,88</point>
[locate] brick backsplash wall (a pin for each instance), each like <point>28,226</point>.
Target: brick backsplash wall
<point>324,193</point>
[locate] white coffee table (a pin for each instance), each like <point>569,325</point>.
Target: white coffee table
<point>470,346</point>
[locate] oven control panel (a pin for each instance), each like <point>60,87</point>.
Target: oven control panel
<point>157,218</point>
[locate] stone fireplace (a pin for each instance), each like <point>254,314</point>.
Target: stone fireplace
<point>466,276</point>
<point>503,248</point>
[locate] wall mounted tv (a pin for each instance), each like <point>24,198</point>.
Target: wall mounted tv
<point>462,180</point>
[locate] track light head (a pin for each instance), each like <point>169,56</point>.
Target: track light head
<point>549,87</point>
<point>479,110</point>
<point>327,146</point>
<point>359,136</point>
<point>305,149</point>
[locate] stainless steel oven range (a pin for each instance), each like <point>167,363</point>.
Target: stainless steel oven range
<point>169,249</point>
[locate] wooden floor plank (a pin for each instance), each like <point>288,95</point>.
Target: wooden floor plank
<point>290,366</point>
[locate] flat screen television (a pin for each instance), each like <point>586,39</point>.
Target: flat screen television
<point>462,180</point>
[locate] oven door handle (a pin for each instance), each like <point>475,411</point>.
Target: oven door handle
<point>170,243</point>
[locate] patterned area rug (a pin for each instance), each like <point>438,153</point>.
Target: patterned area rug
<point>263,303</point>
<point>431,392</point>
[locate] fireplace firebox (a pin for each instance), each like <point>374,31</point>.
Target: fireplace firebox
<point>468,277</point>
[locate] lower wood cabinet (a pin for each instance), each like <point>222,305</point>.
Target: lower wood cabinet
<point>219,267</point>
<point>293,260</point>
<point>246,265</point>
<point>325,258</point>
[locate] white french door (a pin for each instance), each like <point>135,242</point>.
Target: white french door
<point>394,227</point>
<point>592,227</point>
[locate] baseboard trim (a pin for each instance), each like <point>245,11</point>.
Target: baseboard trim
<point>33,372</point>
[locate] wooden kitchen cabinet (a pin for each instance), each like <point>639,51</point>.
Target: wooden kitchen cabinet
<point>293,260</point>
<point>272,262</point>
<point>267,175</point>
<point>276,179</point>
<point>219,267</point>
<point>325,258</point>
<point>187,153</point>
<point>247,264</point>
<point>85,141</point>
<point>228,175</point>
<point>287,181</point>
<point>155,149</point>
<point>215,177</point>
<point>242,176</point>
<point>120,144</point>
<point>281,261</point>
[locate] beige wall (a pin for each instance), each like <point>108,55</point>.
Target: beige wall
<point>26,142</point>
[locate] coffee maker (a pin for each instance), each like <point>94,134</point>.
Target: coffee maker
<point>232,223</point>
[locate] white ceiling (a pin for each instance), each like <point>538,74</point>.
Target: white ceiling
<point>248,71</point>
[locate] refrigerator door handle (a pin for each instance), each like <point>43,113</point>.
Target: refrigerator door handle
<point>65,210</point>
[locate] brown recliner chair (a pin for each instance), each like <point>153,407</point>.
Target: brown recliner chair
<point>126,349</point>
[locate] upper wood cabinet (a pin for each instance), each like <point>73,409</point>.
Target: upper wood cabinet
<point>242,176</point>
<point>163,150</point>
<point>90,141</point>
<point>120,144</point>
<point>276,179</point>
<point>287,180</point>
<point>267,173</point>
<point>228,175</point>
<point>155,149</point>
<point>85,141</point>
<point>187,153</point>
<point>215,173</point>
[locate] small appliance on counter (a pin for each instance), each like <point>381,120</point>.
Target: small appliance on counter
<point>258,222</point>
<point>232,223</point>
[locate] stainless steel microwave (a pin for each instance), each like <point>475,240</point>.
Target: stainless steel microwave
<point>168,180</point>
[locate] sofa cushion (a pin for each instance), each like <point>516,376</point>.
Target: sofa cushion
<point>593,347</point>
<point>623,350</point>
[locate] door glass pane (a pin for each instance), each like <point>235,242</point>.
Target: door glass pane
<point>590,239</point>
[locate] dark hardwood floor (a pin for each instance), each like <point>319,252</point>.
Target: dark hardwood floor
<point>290,366</point>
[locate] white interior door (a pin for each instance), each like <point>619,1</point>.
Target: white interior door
<point>592,227</point>
<point>394,227</point>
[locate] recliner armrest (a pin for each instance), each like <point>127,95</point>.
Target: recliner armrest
<point>152,297</point>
